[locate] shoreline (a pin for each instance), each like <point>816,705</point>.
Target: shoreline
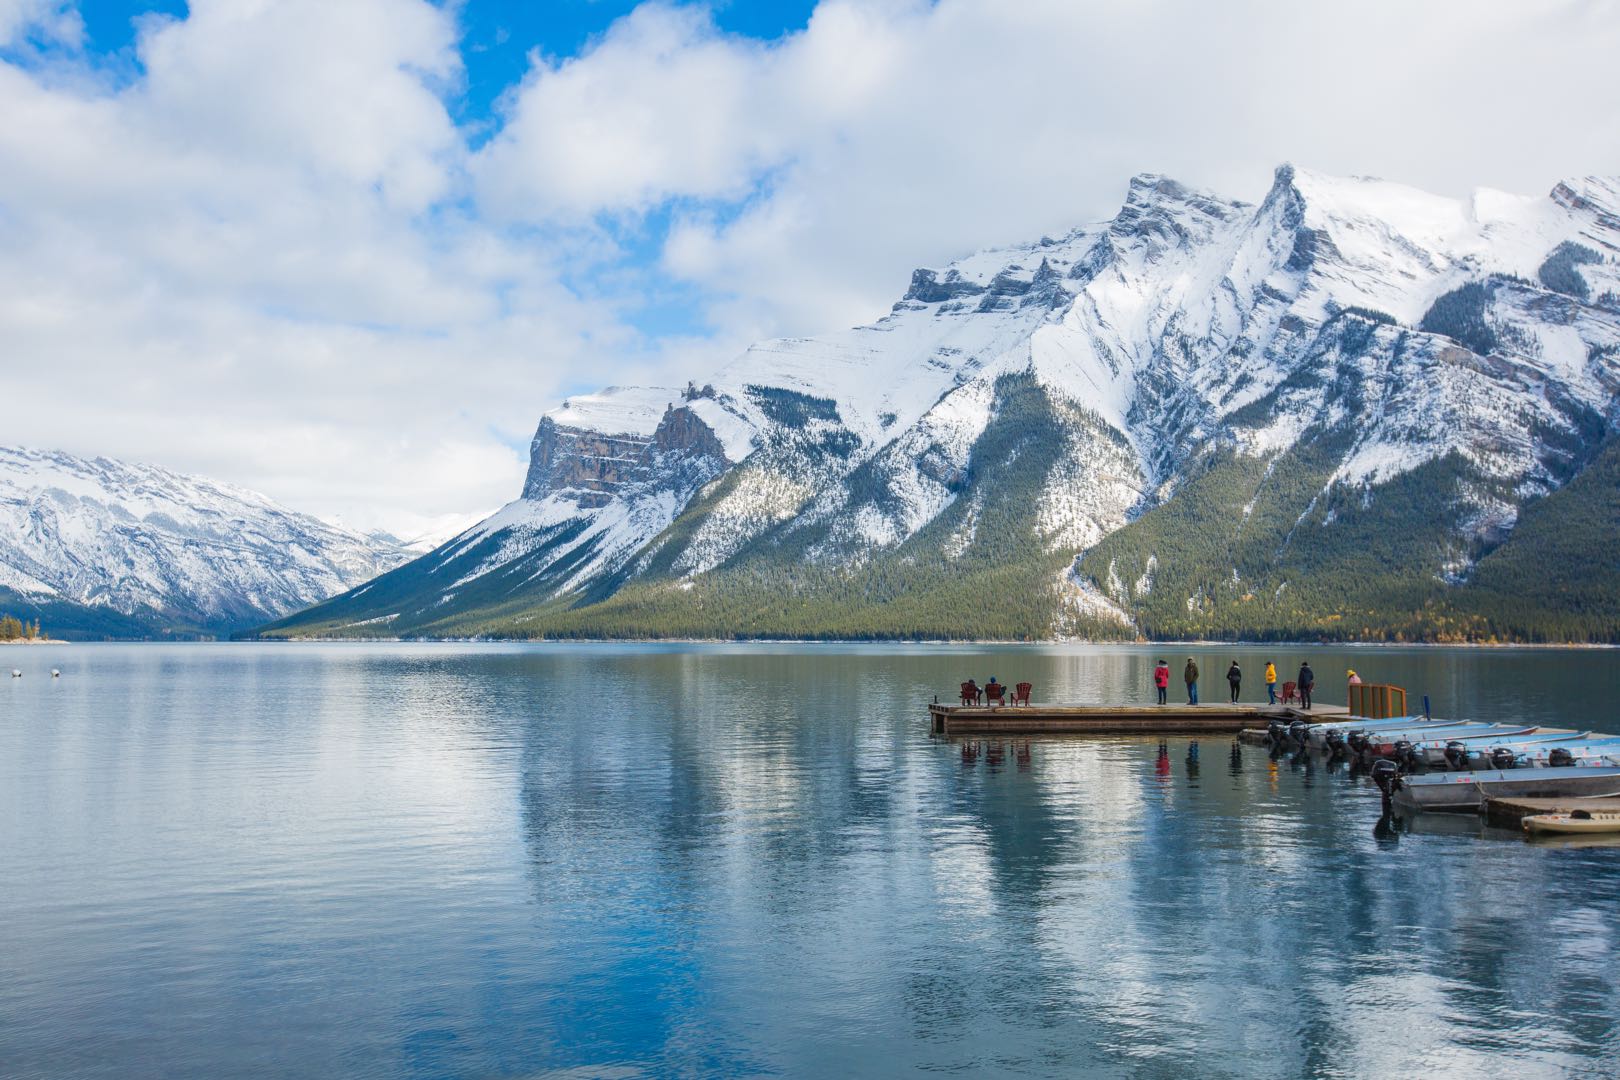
<point>999,643</point>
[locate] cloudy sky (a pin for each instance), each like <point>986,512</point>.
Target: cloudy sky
<point>346,252</point>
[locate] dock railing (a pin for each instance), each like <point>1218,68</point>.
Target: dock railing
<point>1377,701</point>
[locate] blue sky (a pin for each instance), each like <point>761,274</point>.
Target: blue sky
<point>496,36</point>
<point>347,253</point>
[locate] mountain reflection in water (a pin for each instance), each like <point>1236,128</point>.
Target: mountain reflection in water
<point>430,860</point>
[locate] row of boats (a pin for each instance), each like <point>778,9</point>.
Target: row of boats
<point>1447,765</point>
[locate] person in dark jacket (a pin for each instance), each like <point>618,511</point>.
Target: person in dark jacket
<point>1307,679</point>
<point>1161,680</point>
<point>1234,679</point>
<point>1190,676</point>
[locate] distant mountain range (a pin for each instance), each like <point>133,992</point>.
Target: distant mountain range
<point>102,548</point>
<point>1353,411</point>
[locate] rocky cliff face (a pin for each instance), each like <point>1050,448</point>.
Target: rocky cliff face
<point>1041,405</point>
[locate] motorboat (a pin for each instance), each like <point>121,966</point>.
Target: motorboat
<point>1382,742</point>
<point>1316,734</point>
<point>1467,791</point>
<point>1604,749</point>
<point>1479,749</point>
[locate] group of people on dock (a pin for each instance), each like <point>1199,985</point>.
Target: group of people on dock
<point>993,690</point>
<point>1303,685</point>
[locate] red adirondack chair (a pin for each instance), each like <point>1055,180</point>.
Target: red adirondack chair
<point>1021,693</point>
<point>1290,693</point>
<point>995,693</point>
<point>970,693</point>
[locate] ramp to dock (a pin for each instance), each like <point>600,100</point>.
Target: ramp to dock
<point>1045,719</point>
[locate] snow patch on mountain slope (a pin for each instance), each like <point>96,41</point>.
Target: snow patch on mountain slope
<point>617,410</point>
<point>758,500</point>
<point>17,581</point>
<point>1081,602</point>
<point>1093,488</point>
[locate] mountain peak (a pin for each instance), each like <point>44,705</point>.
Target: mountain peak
<point>154,550</point>
<point>1023,405</point>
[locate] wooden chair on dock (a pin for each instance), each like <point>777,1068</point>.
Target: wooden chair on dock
<point>1290,694</point>
<point>995,693</point>
<point>970,693</point>
<point>1021,693</point>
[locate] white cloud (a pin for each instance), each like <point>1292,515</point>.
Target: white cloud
<point>892,134</point>
<point>575,140</point>
<point>249,263</point>
<point>51,20</point>
<point>271,255</point>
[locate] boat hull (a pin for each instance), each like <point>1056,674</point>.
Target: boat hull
<point>1466,792</point>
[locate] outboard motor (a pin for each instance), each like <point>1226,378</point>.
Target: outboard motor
<point>1503,758</point>
<point>1387,775</point>
<point>1406,757</point>
<point>1299,731</point>
<point>1558,756</point>
<point>1457,755</point>
<point>1334,741</point>
<point>1275,733</point>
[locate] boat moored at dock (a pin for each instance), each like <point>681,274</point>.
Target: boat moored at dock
<point>1466,792</point>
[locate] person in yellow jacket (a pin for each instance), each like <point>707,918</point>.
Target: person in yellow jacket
<point>1271,681</point>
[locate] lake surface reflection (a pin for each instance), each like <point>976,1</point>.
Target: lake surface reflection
<point>442,860</point>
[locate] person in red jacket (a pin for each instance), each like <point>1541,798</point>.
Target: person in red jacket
<point>1161,679</point>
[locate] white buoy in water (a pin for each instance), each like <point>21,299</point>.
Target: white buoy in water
<point>55,674</point>
<point>15,674</point>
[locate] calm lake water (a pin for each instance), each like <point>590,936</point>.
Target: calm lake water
<point>531,861</point>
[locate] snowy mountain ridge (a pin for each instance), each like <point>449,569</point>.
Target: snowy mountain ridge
<point>1397,327</point>
<point>170,551</point>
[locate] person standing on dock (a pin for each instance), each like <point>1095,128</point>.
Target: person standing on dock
<point>1161,680</point>
<point>1271,681</point>
<point>1234,679</point>
<point>1307,680</point>
<point>1191,677</point>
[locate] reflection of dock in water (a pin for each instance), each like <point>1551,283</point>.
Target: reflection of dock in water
<point>1039,719</point>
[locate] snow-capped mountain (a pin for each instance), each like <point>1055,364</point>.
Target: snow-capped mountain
<point>963,465</point>
<point>144,550</point>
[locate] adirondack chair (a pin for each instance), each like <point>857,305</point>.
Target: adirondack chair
<point>1290,695</point>
<point>970,693</point>
<point>1021,693</point>
<point>995,693</point>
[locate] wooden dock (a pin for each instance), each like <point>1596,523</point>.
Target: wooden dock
<point>1046,719</point>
